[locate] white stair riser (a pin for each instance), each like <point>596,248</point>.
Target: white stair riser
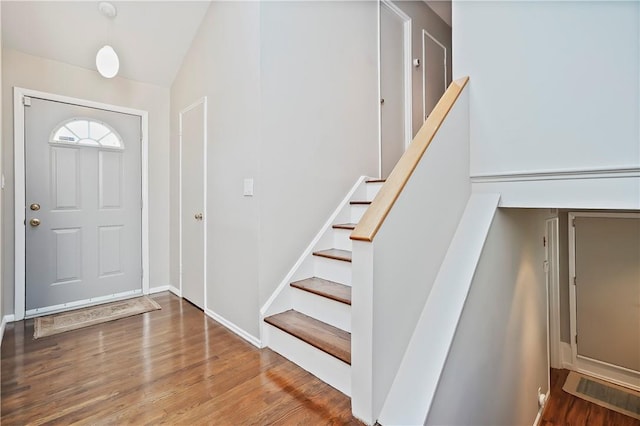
<point>357,211</point>
<point>341,239</point>
<point>321,308</point>
<point>332,270</point>
<point>372,190</point>
<point>322,365</point>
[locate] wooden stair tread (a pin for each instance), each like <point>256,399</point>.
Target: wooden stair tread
<point>359,203</point>
<point>351,226</point>
<point>335,254</point>
<point>318,334</point>
<point>329,289</point>
<point>376,180</point>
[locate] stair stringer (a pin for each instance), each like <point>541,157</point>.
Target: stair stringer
<point>282,298</point>
<point>414,386</point>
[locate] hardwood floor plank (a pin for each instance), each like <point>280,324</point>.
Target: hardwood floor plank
<point>172,366</point>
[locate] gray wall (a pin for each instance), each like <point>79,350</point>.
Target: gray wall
<point>31,72</point>
<point>499,355</point>
<point>424,18</point>
<point>292,90</point>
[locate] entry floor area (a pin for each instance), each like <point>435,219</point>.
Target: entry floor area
<point>173,366</point>
<point>565,409</point>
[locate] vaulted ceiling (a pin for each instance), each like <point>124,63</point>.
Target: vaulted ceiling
<point>150,37</point>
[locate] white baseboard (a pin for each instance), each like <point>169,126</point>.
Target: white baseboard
<point>2,326</point>
<point>234,328</point>
<point>153,290</point>
<point>175,291</point>
<point>566,358</point>
<point>536,422</point>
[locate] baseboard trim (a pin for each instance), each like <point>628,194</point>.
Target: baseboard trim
<point>566,358</point>
<point>2,326</point>
<point>160,289</point>
<point>538,419</point>
<point>175,290</point>
<point>234,328</point>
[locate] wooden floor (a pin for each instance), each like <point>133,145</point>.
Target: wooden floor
<point>173,366</point>
<point>566,409</point>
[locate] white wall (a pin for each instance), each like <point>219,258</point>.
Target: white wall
<point>499,355</point>
<point>319,120</point>
<point>554,85</point>
<point>292,90</point>
<point>223,63</point>
<point>31,72</point>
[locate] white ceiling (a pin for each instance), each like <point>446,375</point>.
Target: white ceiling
<point>151,38</point>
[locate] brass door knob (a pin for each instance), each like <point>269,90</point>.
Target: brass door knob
<point>34,222</point>
<point>35,207</point>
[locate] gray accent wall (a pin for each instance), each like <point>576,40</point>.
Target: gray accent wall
<point>499,355</point>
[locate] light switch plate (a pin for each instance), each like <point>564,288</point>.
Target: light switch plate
<point>248,187</point>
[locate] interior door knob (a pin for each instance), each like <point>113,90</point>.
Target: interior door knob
<point>198,216</point>
<point>35,207</point>
<point>34,222</point>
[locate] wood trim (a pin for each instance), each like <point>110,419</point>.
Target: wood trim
<point>376,213</point>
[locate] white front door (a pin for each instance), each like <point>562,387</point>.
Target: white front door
<point>193,219</point>
<point>83,230</point>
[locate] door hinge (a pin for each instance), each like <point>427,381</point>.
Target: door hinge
<point>576,338</point>
<point>573,222</point>
<point>575,281</point>
<point>544,241</point>
<point>26,101</point>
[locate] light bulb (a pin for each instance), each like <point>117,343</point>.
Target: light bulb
<point>107,62</point>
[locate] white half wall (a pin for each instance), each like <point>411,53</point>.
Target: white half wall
<point>554,85</point>
<point>499,354</point>
<point>32,72</point>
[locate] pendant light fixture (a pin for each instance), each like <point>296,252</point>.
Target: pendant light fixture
<point>107,61</point>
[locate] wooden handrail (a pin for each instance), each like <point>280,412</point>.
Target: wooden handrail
<point>377,212</point>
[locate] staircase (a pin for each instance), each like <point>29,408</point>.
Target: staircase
<point>308,320</point>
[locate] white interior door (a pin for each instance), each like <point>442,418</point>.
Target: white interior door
<point>434,72</point>
<point>83,188</point>
<point>606,296</point>
<point>193,139</point>
<point>393,112</point>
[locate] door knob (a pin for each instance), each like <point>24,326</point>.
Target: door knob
<point>35,207</point>
<point>198,216</point>
<point>34,222</point>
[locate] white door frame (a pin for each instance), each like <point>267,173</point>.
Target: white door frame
<point>424,68</point>
<point>19,94</point>
<point>552,262</point>
<point>202,101</point>
<point>596,368</point>
<point>408,89</point>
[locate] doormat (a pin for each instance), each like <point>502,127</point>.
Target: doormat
<point>614,397</point>
<point>80,318</point>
